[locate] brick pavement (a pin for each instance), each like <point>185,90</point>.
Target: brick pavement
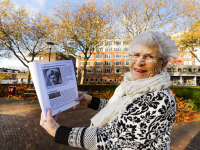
<point>20,129</point>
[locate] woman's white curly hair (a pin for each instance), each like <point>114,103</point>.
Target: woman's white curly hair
<point>164,43</point>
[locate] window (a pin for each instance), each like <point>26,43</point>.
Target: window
<point>125,49</point>
<point>199,69</point>
<point>108,55</point>
<point>105,80</point>
<point>179,69</point>
<point>125,42</point>
<point>108,70</point>
<point>168,69</point>
<point>100,49</point>
<point>116,49</point>
<point>91,57</point>
<point>189,69</point>
<point>179,55</point>
<point>126,63</point>
<point>89,70</point>
<point>81,63</point>
<point>108,49</point>
<point>126,56</point>
<point>184,69</point>
<point>115,80</point>
<point>98,70</point>
<point>90,63</point>
<point>99,56</point>
<point>108,43</point>
<point>98,63</point>
<point>174,69</point>
<point>108,63</point>
<point>195,69</point>
<point>120,80</point>
<point>101,43</point>
<point>96,80</point>
<point>118,55</point>
<point>82,56</point>
<point>110,80</point>
<point>100,80</point>
<point>86,80</point>
<point>187,55</point>
<point>117,42</point>
<point>118,63</point>
<point>118,70</point>
<point>187,62</point>
<point>91,80</point>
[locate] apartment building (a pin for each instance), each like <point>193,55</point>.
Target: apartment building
<point>108,65</point>
<point>112,61</point>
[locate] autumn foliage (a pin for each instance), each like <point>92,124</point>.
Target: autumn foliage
<point>185,114</point>
<point>21,88</point>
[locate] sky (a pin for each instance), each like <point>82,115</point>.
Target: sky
<point>44,6</point>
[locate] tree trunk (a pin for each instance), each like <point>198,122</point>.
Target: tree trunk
<point>82,76</point>
<point>28,76</point>
<point>83,72</point>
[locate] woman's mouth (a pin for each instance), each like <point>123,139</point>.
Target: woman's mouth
<point>140,70</point>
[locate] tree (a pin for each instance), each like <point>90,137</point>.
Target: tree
<point>137,16</point>
<point>83,28</point>
<point>189,13</point>
<point>189,39</point>
<point>5,76</point>
<point>23,32</point>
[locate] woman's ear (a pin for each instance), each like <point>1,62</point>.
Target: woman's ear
<point>164,64</point>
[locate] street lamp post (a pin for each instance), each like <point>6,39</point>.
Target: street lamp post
<point>50,44</point>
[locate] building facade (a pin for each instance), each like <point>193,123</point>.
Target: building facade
<point>108,65</point>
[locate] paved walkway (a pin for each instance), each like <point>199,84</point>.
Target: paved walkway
<point>20,129</point>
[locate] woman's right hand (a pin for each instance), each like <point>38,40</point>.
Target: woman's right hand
<point>84,99</point>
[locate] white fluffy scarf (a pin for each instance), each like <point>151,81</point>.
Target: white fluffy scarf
<point>132,89</point>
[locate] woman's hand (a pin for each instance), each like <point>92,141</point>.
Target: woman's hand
<point>84,99</point>
<point>50,125</point>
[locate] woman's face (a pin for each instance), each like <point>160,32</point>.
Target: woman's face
<point>141,64</point>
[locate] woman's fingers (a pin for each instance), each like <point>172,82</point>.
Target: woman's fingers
<point>49,114</point>
<point>56,117</point>
<point>80,94</point>
<point>42,120</point>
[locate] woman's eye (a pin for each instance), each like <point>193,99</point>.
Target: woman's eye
<point>136,55</point>
<point>150,56</point>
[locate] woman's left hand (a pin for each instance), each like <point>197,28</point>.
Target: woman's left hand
<point>50,125</point>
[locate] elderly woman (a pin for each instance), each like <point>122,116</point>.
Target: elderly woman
<point>142,110</point>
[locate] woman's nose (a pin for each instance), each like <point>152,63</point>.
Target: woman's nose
<point>141,60</point>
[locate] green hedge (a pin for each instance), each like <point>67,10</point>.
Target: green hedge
<point>189,93</point>
<point>192,93</point>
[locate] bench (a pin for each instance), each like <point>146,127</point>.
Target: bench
<point>26,95</point>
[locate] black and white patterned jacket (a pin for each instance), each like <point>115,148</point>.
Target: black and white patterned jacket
<point>146,124</point>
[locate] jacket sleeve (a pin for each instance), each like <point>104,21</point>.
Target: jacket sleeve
<point>77,137</point>
<point>97,104</point>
